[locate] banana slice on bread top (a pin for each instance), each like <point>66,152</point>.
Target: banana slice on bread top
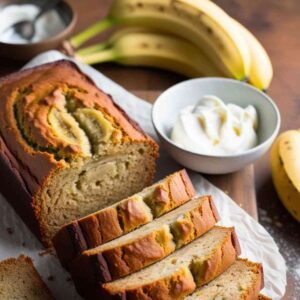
<point>69,118</point>
<point>286,170</point>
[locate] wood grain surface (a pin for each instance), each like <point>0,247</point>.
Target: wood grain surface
<point>276,24</point>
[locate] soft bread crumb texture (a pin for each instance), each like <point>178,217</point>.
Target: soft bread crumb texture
<point>180,273</point>
<point>74,150</point>
<point>122,217</point>
<point>19,280</point>
<point>148,244</point>
<point>93,185</point>
<point>241,281</point>
<point>186,212</point>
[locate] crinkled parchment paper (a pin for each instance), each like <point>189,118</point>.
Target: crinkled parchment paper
<point>256,243</point>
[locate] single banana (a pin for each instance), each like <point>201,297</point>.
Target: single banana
<point>145,48</point>
<point>200,21</point>
<point>261,70</point>
<point>96,48</point>
<point>285,162</point>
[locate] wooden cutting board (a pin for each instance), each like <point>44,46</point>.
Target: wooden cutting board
<point>239,186</point>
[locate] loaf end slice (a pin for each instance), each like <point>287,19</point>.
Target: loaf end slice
<point>146,245</point>
<point>122,217</point>
<point>19,280</point>
<point>177,275</point>
<point>69,146</point>
<point>242,280</point>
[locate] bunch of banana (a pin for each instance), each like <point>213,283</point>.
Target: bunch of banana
<point>285,162</point>
<point>138,47</point>
<point>200,25</point>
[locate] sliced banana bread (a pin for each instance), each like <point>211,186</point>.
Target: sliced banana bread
<point>146,245</point>
<point>242,280</point>
<point>177,275</point>
<point>19,280</point>
<point>122,217</point>
<point>66,148</point>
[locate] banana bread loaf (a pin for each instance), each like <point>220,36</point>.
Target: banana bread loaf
<point>146,245</point>
<point>19,280</point>
<point>67,149</point>
<point>177,275</point>
<point>242,280</point>
<point>122,217</point>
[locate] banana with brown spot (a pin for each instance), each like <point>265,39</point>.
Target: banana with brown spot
<point>285,162</point>
<point>201,22</point>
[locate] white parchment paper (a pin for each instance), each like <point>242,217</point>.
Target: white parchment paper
<point>256,243</point>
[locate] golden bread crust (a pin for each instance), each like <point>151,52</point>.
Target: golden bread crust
<point>114,221</point>
<point>42,82</point>
<point>241,281</point>
<point>211,267</point>
<point>37,152</point>
<point>176,287</point>
<point>145,250</point>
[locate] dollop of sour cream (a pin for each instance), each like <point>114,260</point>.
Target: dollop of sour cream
<point>215,128</point>
<point>49,24</point>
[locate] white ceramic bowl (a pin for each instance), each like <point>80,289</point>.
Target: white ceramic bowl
<point>169,103</point>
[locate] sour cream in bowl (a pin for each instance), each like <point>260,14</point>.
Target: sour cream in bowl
<point>215,128</point>
<point>215,125</point>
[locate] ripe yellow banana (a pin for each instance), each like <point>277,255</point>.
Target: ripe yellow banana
<point>261,71</point>
<point>200,21</point>
<point>142,47</point>
<point>285,162</point>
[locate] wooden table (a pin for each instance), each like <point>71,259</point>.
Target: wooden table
<point>276,24</point>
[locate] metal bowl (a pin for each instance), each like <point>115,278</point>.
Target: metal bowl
<point>27,51</point>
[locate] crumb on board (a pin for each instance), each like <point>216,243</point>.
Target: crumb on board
<point>51,278</point>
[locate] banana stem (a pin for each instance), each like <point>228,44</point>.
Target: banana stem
<point>99,57</point>
<point>80,38</point>
<point>92,49</point>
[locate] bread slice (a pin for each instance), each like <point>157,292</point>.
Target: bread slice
<point>19,280</point>
<point>177,275</point>
<point>66,147</point>
<point>149,243</point>
<point>242,280</point>
<point>122,217</point>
